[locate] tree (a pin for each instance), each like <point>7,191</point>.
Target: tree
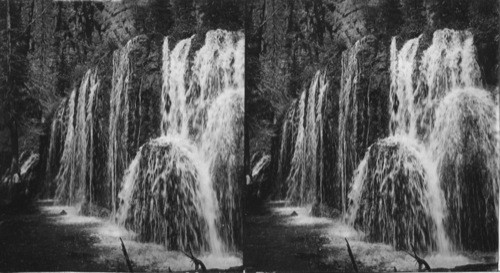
<point>15,102</point>
<point>9,98</point>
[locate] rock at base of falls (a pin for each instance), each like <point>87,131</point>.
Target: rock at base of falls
<point>465,142</point>
<point>322,210</point>
<point>260,175</point>
<point>388,201</point>
<point>160,199</point>
<point>259,184</point>
<point>20,187</point>
<point>91,209</point>
<point>364,99</point>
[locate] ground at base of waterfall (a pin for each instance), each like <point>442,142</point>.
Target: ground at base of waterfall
<point>287,239</point>
<point>32,241</point>
<point>48,237</point>
<point>271,247</point>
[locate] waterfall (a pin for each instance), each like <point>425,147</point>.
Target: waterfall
<point>444,124</point>
<point>391,194</point>
<point>347,128</point>
<point>363,100</point>
<point>287,142</point>
<point>464,144</point>
<point>75,173</point>
<point>199,152</point>
<point>118,119</point>
<point>417,87</point>
<point>175,69</point>
<point>307,157</point>
<point>171,175</point>
<point>56,146</point>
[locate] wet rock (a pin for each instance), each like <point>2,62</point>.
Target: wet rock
<point>94,210</point>
<point>63,212</point>
<point>364,99</point>
<point>29,168</point>
<point>322,210</point>
<point>164,202</point>
<point>258,184</point>
<point>261,174</point>
<point>118,21</point>
<point>139,62</point>
<point>390,203</point>
<point>294,213</point>
<point>19,187</point>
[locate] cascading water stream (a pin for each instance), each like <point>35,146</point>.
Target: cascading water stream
<point>408,108</point>
<point>418,86</point>
<point>118,119</point>
<point>464,145</point>
<point>56,146</point>
<point>307,157</point>
<point>403,67</point>
<point>174,69</point>
<point>287,142</point>
<point>198,152</point>
<point>75,173</point>
<point>430,110</point>
<point>363,100</point>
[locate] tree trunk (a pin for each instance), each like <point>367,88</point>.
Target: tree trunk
<point>14,141</point>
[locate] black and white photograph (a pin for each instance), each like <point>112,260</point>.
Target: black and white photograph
<point>373,130</point>
<point>249,135</point>
<point>122,135</point>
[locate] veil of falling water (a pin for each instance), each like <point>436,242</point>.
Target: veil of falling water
<point>307,158</point>
<point>56,146</point>
<point>464,143</point>
<point>418,89</point>
<point>287,143</point>
<point>118,119</point>
<point>74,179</point>
<point>194,165</point>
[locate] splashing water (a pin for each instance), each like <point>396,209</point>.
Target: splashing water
<point>391,196</point>
<point>146,256</point>
<point>403,66</point>
<point>222,144</point>
<point>204,124</point>
<point>464,143</point>
<point>307,157</point>
<point>175,67</point>
<point>417,87</point>
<point>75,173</point>
<point>430,116</point>
<point>171,177</point>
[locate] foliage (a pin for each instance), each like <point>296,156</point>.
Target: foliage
<point>287,42</point>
